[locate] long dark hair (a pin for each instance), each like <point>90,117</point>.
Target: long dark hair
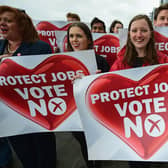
<point>24,22</point>
<point>151,54</point>
<point>113,25</point>
<point>85,29</point>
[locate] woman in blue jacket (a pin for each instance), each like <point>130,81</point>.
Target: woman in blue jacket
<point>20,38</point>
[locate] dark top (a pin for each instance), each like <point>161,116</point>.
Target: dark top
<point>138,62</point>
<point>102,63</point>
<point>35,48</point>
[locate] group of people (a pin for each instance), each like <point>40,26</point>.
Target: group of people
<point>97,25</point>
<point>140,50</point>
<point>20,38</point>
<point>38,150</point>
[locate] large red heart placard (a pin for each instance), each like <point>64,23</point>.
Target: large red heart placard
<point>133,110</point>
<point>108,46</point>
<point>46,32</point>
<point>43,94</point>
<point>161,42</point>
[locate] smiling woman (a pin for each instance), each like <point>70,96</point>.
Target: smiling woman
<point>140,51</point>
<point>20,38</point>
<point>79,37</point>
<point>140,46</point>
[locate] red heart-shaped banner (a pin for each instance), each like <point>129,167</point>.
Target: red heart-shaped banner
<point>43,94</point>
<point>161,42</point>
<point>107,46</point>
<point>133,110</point>
<point>46,31</point>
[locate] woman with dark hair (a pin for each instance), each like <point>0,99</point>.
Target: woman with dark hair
<point>140,46</point>
<point>79,38</point>
<point>115,26</point>
<point>20,36</point>
<point>140,51</point>
<point>36,150</point>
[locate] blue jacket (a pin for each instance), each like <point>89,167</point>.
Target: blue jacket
<point>36,48</point>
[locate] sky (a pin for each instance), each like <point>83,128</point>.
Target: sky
<point>106,10</point>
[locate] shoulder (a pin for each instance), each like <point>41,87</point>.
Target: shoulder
<point>98,57</point>
<point>102,63</point>
<point>35,48</point>
<point>2,45</point>
<point>163,58</point>
<point>119,65</point>
<point>39,44</point>
<point>3,42</point>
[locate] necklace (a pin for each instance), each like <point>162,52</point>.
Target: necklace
<point>9,50</point>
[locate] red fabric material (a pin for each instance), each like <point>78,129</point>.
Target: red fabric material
<point>119,65</point>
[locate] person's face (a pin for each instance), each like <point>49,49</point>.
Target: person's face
<point>97,28</point>
<point>70,19</point>
<point>8,26</point>
<point>140,34</point>
<point>117,27</point>
<point>78,39</point>
<point>162,18</point>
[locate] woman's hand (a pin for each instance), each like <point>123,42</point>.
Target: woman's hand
<point>5,55</point>
<point>79,76</point>
<point>98,71</point>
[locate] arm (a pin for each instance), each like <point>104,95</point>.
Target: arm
<point>102,64</point>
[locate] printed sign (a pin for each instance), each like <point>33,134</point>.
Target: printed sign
<point>41,90</point>
<point>126,114</point>
<point>106,45</point>
<point>47,31</point>
<point>160,35</point>
<point>161,39</point>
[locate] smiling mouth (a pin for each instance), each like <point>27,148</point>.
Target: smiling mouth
<point>139,40</point>
<point>76,45</point>
<point>3,30</point>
